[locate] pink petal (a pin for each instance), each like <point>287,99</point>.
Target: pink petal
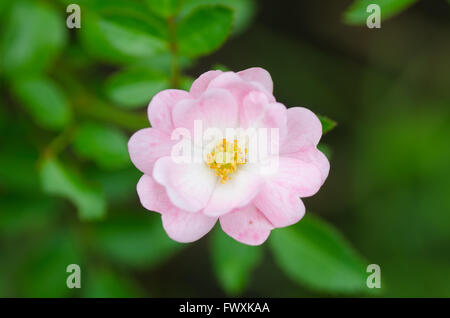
<point>188,185</point>
<point>260,75</point>
<point>246,225</point>
<point>258,112</point>
<point>148,145</point>
<point>316,157</point>
<point>298,177</point>
<point>201,84</point>
<point>243,186</point>
<point>152,195</point>
<point>160,108</point>
<point>216,108</point>
<point>237,86</point>
<point>304,128</point>
<point>280,207</point>
<point>186,227</point>
<point>180,225</point>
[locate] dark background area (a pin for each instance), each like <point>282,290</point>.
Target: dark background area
<point>317,61</point>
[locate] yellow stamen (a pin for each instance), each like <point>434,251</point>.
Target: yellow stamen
<point>225,158</point>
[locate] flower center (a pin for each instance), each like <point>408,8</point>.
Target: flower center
<point>225,158</point>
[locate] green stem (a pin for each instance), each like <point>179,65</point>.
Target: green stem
<point>88,105</point>
<point>175,64</point>
<point>58,144</point>
<point>94,108</point>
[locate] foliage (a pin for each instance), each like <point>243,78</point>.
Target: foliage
<point>233,262</point>
<point>71,99</point>
<point>58,180</point>
<point>44,100</point>
<point>327,124</point>
<point>357,12</point>
<point>314,253</point>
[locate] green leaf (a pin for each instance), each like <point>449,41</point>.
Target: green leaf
<point>243,10</point>
<point>94,42</point>
<point>220,67</point>
<point>44,274</point>
<point>23,215</point>
<point>134,241</point>
<point>106,145</point>
<point>327,124</point>
<point>357,14</point>
<point>118,185</point>
<point>121,31</point>
<point>4,6</point>
<point>316,255</point>
<point>58,180</point>
<point>162,63</point>
<point>233,262</point>
<point>34,34</point>
<point>44,100</point>
<point>204,30</point>
<point>104,283</point>
<point>186,82</point>
<point>18,165</point>
<point>128,7</point>
<point>132,36</point>
<point>326,150</point>
<point>3,116</point>
<point>164,8</point>
<point>134,88</point>
<point>5,284</point>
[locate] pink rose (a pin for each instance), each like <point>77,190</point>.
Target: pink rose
<point>223,184</point>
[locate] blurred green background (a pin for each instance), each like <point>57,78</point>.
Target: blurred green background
<point>70,99</point>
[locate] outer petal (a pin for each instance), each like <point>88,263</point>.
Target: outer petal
<point>260,75</point>
<point>180,225</point>
<point>237,86</point>
<point>201,84</point>
<point>187,227</point>
<point>148,145</point>
<point>188,185</point>
<point>216,108</point>
<point>314,156</point>
<point>298,177</point>
<point>160,108</point>
<point>304,128</point>
<point>258,112</point>
<point>246,225</point>
<point>280,207</point>
<point>152,195</point>
<point>243,186</point>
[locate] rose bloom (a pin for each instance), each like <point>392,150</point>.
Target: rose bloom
<point>248,200</point>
